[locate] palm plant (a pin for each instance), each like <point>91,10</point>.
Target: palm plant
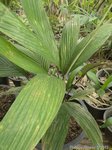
<point>41,109</point>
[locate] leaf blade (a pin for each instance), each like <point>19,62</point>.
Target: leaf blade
<point>68,42</point>
<point>89,45</point>
<point>9,69</point>
<point>32,123</point>
<point>38,19</point>
<point>14,28</point>
<point>18,58</point>
<point>57,132</point>
<point>87,123</point>
<point>107,123</point>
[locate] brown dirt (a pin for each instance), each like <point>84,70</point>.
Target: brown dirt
<point>73,131</point>
<point>5,102</point>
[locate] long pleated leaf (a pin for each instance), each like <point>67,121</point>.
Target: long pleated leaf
<point>40,23</point>
<point>89,45</point>
<point>87,123</point>
<point>13,27</point>
<point>32,113</point>
<point>18,58</point>
<point>9,69</point>
<point>56,134</point>
<point>68,42</point>
<point>41,62</point>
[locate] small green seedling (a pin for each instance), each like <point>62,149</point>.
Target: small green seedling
<point>107,123</point>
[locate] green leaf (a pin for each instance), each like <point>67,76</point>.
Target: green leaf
<point>92,76</point>
<point>68,42</point>
<point>81,95</point>
<point>87,123</point>
<point>32,113</point>
<point>88,67</point>
<point>100,92</point>
<point>84,19</point>
<point>19,58</point>
<point>6,2</point>
<point>72,76</point>
<point>107,83</point>
<point>56,134</point>
<point>14,28</point>
<point>56,2</point>
<point>40,23</point>
<point>89,45</point>
<point>107,123</point>
<point>9,69</point>
<point>41,62</point>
